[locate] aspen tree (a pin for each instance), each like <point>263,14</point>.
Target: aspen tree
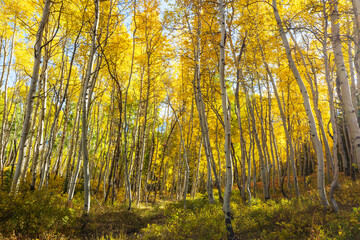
<point>30,96</point>
<point>5,98</point>
<point>341,72</point>
<point>127,173</point>
<point>314,134</point>
<point>227,129</point>
<point>86,101</point>
<point>337,141</point>
<point>356,8</point>
<point>196,41</point>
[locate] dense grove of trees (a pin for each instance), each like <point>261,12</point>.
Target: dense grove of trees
<point>135,102</point>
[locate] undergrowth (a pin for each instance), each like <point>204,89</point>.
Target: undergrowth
<point>44,215</point>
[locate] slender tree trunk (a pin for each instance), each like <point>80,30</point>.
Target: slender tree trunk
<point>87,87</point>
<point>75,130</point>
<point>5,99</point>
<point>187,170</point>
<point>75,175</point>
<point>142,148</point>
<point>39,144</point>
<point>53,130</point>
<point>315,93</point>
<point>30,97</point>
<point>350,114</point>
<point>199,99</point>
<point>238,114</point>
<point>271,138</point>
<point>58,162</point>
<point>310,115</point>
<point>227,129</point>
<point>356,7</point>
<point>334,125</point>
<point>286,130</point>
<point>265,153</point>
<point>125,130</point>
<point>26,164</point>
<point>263,169</point>
<point>196,178</point>
<point>162,159</point>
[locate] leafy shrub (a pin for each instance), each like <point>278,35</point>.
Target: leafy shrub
<point>33,214</point>
<point>199,221</point>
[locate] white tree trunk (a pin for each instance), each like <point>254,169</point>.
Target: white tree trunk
<point>87,88</point>
<point>356,7</point>
<point>336,134</point>
<point>227,126</point>
<point>350,113</point>
<point>30,97</point>
<point>287,134</point>
<point>200,105</point>
<point>314,134</point>
<point>74,176</point>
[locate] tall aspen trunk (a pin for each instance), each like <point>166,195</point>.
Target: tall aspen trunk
<point>248,180</point>
<point>43,121</point>
<point>196,178</point>
<point>235,168</point>
<point>237,60</point>
<point>163,157</point>
<point>218,148</point>
<point>202,115</point>
<point>336,135</point>
<point>314,134</point>
<point>263,169</point>
<point>205,133</point>
<point>75,130</point>
<point>251,155</point>
<point>315,93</point>
<point>143,146</point>
<point>87,90</point>
<point>353,89</point>
<point>356,7</point>
<point>30,97</point>
<point>5,99</point>
<point>26,164</point>
<point>52,133</point>
<point>187,170</point>
<point>125,130</point>
<point>278,161</point>
<point>148,187</point>
<point>39,144</point>
<point>59,162</point>
<point>73,143</point>
<point>350,113</point>
<point>75,175</point>
<point>51,140</point>
<point>329,157</point>
<point>271,138</point>
<point>227,126</point>
<point>267,163</point>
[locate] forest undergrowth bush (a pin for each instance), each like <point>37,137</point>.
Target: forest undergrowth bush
<point>298,218</point>
<point>39,214</point>
<point>44,215</point>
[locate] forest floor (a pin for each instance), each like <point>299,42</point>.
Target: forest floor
<point>43,215</point>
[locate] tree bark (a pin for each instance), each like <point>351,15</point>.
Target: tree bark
<point>87,90</point>
<point>356,8</point>
<point>30,97</point>
<point>310,115</point>
<point>227,126</point>
<point>350,113</point>
<point>336,135</point>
